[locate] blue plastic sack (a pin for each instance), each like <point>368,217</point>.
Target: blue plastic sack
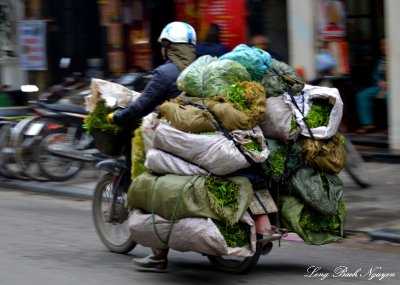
<point>255,60</point>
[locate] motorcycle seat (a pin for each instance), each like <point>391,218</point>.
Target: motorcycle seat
<point>70,108</point>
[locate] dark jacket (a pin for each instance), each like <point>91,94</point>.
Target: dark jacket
<point>161,87</point>
<point>212,49</point>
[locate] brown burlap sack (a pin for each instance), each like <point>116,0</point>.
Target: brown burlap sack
<point>327,155</point>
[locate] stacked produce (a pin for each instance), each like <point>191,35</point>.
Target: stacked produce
<point>236,111</point>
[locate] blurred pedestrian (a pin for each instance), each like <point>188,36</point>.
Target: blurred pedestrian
<point>262,42</point>
<point>212,44</point>
<point>365,98</point>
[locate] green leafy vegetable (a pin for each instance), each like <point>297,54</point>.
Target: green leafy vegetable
<point>319,114</point>
<point>224,193</point>
<point>97,120</point>
<point>236,95</point>
<point>293,124</point>
<point>313,221</point>
<point>278,159</point>
<point>253,146</point>
<point>236,235</point>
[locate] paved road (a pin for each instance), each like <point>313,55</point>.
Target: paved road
<point>51,240</point>
<point>371,209</point>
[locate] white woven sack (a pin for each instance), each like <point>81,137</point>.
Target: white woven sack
<point>304,103</point>
<point>161,162</point>
<point>189,234</point>
<point>109,91</point>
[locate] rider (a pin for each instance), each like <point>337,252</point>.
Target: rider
<point>178,42</point>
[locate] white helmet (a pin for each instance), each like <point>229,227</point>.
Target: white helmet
<point>178,32</point>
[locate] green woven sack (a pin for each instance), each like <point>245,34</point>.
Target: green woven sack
<point>314,228</point>
<point>319,190</point>
<point>175,197</point>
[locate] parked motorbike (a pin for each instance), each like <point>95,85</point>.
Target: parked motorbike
<point>55,122</point>
<point>68,89</point>
<point>9,118</point>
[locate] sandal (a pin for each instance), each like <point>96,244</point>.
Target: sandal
<point>267,236</point>
<point>366,129</point>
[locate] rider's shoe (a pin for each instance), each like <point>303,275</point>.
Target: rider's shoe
<point>156,260</point>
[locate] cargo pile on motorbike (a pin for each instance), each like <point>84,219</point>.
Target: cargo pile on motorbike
<point>193,161</point>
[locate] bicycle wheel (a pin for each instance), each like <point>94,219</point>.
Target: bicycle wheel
<point>53,167</point>
<point>355,165</point>
<point>111,216</point>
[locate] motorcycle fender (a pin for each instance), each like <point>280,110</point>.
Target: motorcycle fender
<point>110,166</point>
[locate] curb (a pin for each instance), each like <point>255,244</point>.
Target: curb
<point>48,188</point>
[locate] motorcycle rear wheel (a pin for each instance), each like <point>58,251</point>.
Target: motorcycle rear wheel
<point>114,231</point>
<point>53,167</point>
<point>236,264</point>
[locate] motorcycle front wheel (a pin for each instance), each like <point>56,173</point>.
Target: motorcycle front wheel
<point>233,264</point>
<point>111,216</point>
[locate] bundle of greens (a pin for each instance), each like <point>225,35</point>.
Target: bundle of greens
<point>319,113</point>
<point>138,153</point>
<point>191,78</point>
<point>253,146</point>
<point>283,160</point>
<point>223,193</point>
<point>236,235</point>
<point>315,222</point>
<point>97,120</point>
<point>312,226</point>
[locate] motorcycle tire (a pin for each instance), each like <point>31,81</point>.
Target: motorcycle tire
<point>236,264</point>
<point>56,168</point>
<point>26,147</point>
<point>113,231</point>
<point>8,166</point>
<point>5,133</point>
<point>355,166</point>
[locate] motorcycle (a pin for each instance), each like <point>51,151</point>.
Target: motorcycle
<point>112,217</point>
<point>9,118</point>
<point>55,122</point>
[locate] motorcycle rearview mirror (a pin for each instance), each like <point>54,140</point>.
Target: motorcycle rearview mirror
<point>29,88</point>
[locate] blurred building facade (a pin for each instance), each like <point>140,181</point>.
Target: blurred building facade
<point>111,37</point>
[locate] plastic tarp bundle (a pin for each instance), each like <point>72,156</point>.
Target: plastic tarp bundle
<point>215,153</point>
<point>161,162</point>
<point>278,120</point>
<point>281,78</point>
<point>188,234</point>
<point>326,155</point>
<point>293,211</point>
<point>109,92</point>
<point>321,191</point>
<point>174,197</point>
<point>304,103</point>
<point>255,60</point>
<point>189,114</point>
<point>206,77</point>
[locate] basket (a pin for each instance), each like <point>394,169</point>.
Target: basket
<point>109,143</point>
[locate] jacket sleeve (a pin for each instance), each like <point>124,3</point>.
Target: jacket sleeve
<point>147,102</point>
